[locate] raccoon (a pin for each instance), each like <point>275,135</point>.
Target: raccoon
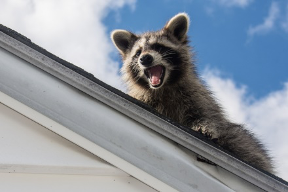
<point>159,70</point>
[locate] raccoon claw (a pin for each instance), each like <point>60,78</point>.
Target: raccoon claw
<point>206,133</point>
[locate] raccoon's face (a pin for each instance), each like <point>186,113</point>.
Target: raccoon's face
<point>154,59</point>
<point>150,61</point>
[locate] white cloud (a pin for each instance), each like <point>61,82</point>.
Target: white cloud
<point>268,23</point>
<point>233,106</point>
<point>71,29</point>
<point>266,117</point>
<point>234,3</point>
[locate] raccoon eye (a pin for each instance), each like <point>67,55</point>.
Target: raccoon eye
<point>138,53</point>
<point>160,48</point>
<point>157,47</point>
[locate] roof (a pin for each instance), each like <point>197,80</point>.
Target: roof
<point>88,108</point>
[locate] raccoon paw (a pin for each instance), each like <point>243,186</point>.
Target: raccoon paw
<point>207,133</point>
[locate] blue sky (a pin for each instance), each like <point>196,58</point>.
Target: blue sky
<point>241,47</point>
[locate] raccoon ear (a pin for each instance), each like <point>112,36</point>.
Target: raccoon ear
<point>178,26</point>
<point>122,39</point>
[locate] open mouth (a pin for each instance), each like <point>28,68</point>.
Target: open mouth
<point>155,75</point>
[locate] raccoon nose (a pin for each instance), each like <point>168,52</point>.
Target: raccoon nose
<point>146,60</point>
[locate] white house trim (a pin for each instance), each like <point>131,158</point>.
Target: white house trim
<point>80,141</point>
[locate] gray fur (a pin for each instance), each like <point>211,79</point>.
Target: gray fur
<point>181,95</point>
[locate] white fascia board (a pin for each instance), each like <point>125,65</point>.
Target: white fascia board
<point>127,107</point>
<point>78,140</point>
<point>28,147</point>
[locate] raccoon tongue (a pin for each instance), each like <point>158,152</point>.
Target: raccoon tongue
<point>155,74</point>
